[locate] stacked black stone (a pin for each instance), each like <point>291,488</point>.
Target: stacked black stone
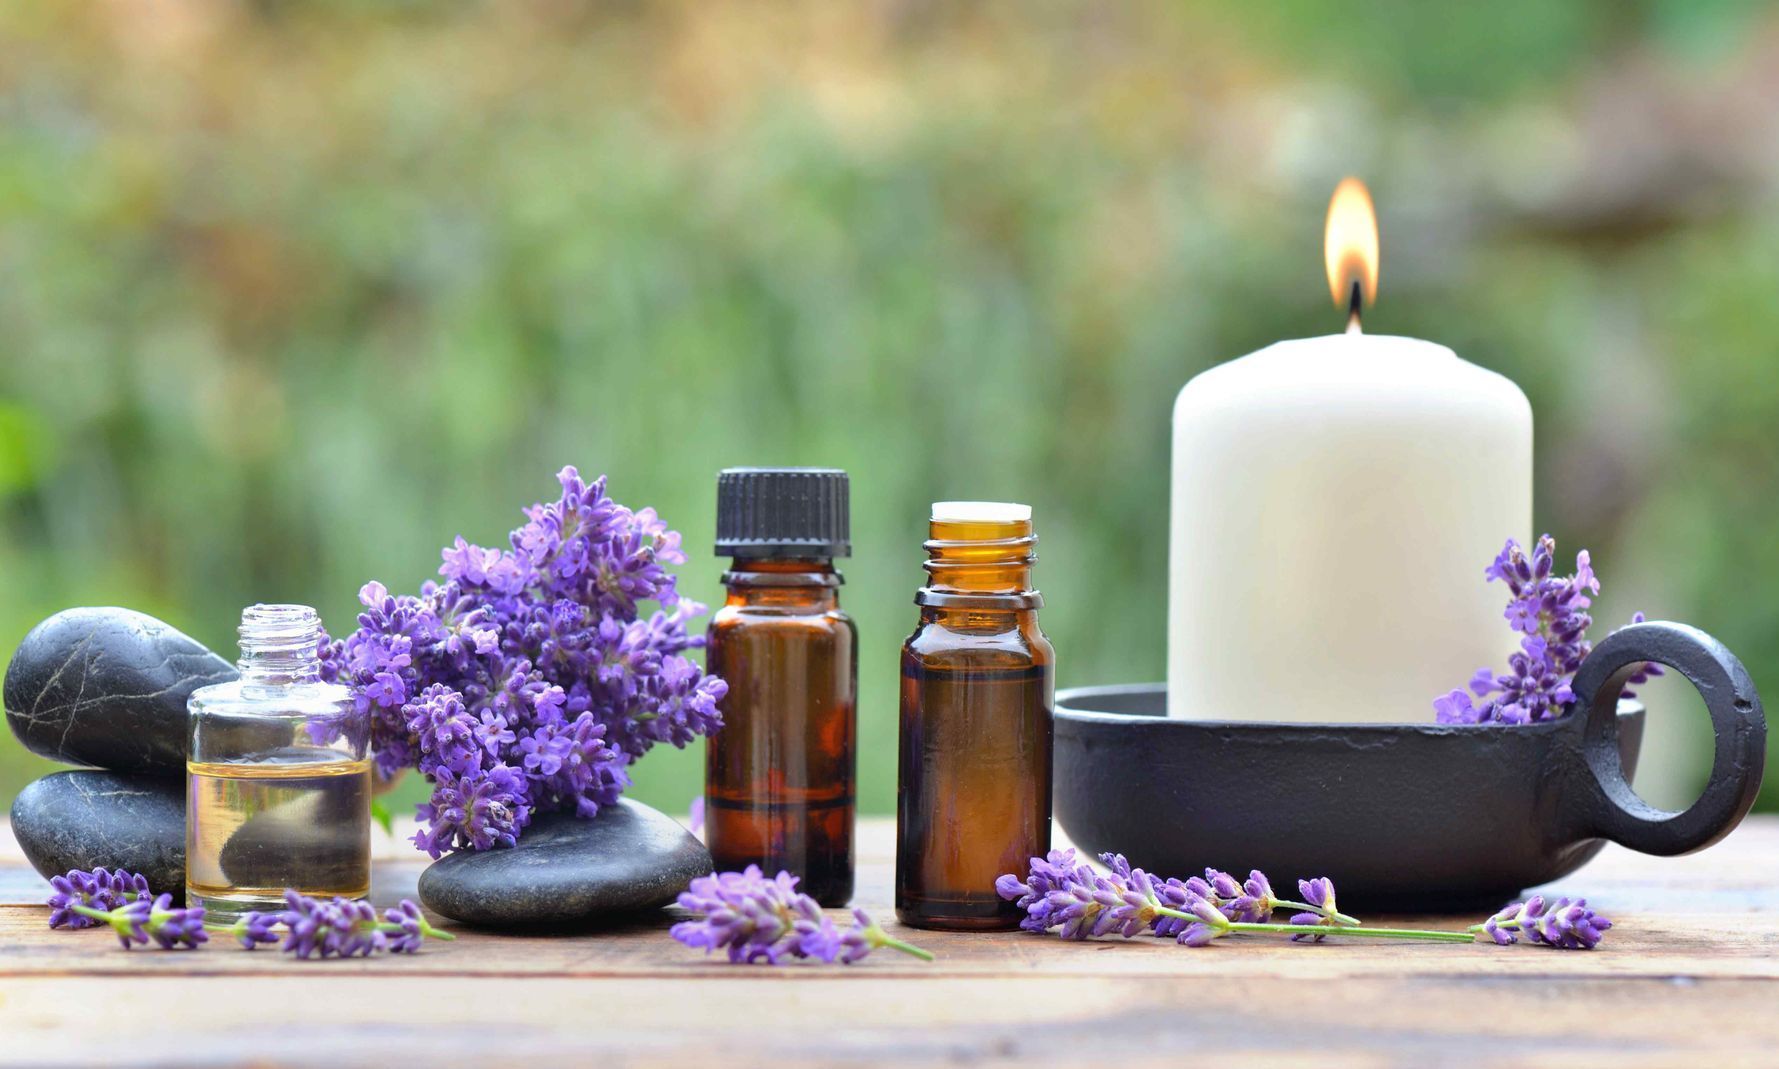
<point>106,688</point>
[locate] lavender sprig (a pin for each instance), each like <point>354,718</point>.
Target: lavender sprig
<point>138,921</point>
<point>1563,924</point>
<point>1079,902</point>
<point>342,928</point>
<point>1550,613</point>
<point>1063,894</point>
<point>100,889</point>
<point>755,919</point>
<point>530,679</point>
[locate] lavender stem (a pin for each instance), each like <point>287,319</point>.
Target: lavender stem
<point>381,926</point>
<point>1328,929</point>
<point>884,939</point>
<point>1336,929</point>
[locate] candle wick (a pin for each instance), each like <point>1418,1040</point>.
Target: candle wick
<point>1354,304</point>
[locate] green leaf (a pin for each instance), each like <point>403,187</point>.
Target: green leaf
<point>381,814</point>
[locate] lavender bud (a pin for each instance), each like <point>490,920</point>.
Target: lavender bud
<point>1563,924</point>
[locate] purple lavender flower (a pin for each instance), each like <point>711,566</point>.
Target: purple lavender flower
<point>493,733</point>
<point>445,731</point>
<point>173,928</point>
<point>75,887</point>
<point>130,921</point>
<point>754,919</point>
<point>530,679</point>
<point>867,935</point>
<point>583,770</point>
<point>1550,612</point>
<point>1250,901</point>
<point>254,929</point>
<point>408,929</point>
<point>100,890</point>
<point>1319,894</point>
<point>1562,924</point>
<point>142,919</point>
<point>1057,892</point>
<point>480,810</point>
<point>341,928</point>
<point>1063,893</point>
<point>1208,923</point>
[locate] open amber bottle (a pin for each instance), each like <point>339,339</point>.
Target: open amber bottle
<point>778,783</point>
<point>978,690</point>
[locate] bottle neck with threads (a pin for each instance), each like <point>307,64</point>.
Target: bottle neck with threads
<point>980,556</point>
<point>786,584</point>
<point>280,645</point>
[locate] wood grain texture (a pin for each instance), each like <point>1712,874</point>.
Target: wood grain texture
<point>1691,970</point>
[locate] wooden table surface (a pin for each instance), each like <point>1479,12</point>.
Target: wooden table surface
<point>1692,969</point>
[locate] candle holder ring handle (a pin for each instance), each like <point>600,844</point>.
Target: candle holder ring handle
<point>1739,725</point>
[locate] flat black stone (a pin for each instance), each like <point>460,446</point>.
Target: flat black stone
<point>107,687</point>
<point>85,819</point>
<point>569,871</point>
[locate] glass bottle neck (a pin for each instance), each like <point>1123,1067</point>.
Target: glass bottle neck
<point>280,645</point>
<point>801,584</point>
<point>980,564</point>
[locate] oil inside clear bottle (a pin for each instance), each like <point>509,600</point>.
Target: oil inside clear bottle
<point>298,818</point>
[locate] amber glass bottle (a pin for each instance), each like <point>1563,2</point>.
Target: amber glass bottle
<point>778,784</point>
<point>978,689</point>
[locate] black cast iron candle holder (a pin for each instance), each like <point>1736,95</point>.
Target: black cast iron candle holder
<point>1404,817</point>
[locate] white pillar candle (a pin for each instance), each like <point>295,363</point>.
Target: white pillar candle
<point>1335,501</point>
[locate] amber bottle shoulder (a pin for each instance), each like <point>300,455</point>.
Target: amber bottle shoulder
<point>731,618</point>
<point>972,642</point>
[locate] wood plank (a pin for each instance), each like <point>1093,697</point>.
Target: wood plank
<point>761,1020</point>
<point>1693,966</point>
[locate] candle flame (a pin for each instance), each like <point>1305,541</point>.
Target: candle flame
<point>1351,249</point>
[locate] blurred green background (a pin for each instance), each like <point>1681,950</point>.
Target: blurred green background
<point>291,293</point>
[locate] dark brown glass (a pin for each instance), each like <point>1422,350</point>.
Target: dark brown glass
<point>978,691</point>
<point>779,776</point>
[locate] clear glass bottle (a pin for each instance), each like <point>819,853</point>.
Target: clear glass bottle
<point>779,776</point>
<point>978,693</point>
<point>278,778</point>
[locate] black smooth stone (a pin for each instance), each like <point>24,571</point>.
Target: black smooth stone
<point>86,819</point>
<point>566,870</point>
<point>107,687</point>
